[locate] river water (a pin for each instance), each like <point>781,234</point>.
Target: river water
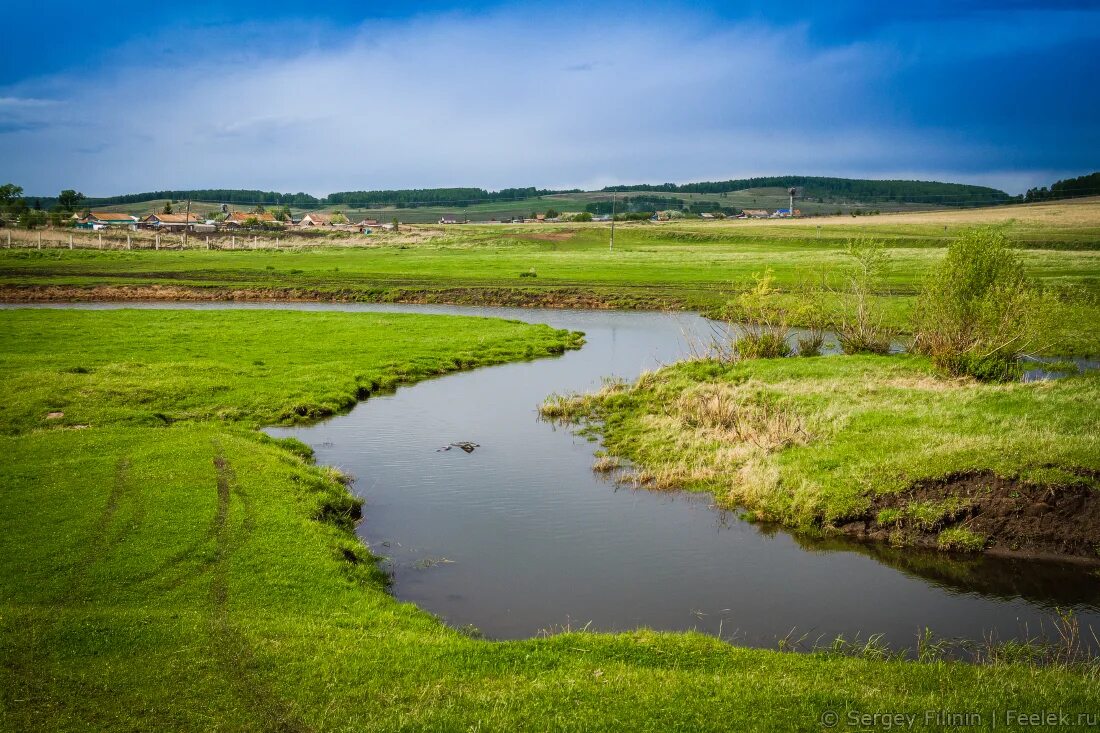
<point>520,536</point>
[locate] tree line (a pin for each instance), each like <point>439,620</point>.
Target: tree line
<point>1088,185</point>
<point>931,192</point>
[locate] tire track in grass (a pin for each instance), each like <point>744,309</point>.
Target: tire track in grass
<point>230,644</point>
<point>27,644</point>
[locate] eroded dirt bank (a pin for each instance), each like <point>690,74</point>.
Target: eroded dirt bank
<point>566,297</point>
<point>1004,516</point>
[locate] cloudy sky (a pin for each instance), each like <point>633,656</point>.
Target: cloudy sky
<point>294,96</point>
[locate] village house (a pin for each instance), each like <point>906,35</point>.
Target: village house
<point>448,219</point>
<point>313,219</point>
<point>244,218</point>
<point>171,222</point>
<point>754,214</point>
<point>103,219</point>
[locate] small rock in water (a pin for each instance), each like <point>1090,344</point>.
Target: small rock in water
<point>464,445</point>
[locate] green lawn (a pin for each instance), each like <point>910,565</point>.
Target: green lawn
<point>169,567</point>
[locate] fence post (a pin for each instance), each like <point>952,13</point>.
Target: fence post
<point>156,241</point>
<point>128,240</point>
<point>233,241</point>
<point>208,241</point>
<point>39,240</point>
<point>9,239</point>
<point>70,240</point>
<point>101,240</point>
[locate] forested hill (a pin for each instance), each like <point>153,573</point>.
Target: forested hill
<point>213,195</point>
<point>810,187</point>
<point>406,198</point>
<point>851,189</point>
<point>1067,188</point>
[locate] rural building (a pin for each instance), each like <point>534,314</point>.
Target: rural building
<point>313,219</point>
<point>104,219</point>
<point>172,222</point>
<point>755,213</point>
<point>448,219</point>
<point>242,218</point>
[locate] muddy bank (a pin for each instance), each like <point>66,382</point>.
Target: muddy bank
<point>573,298</point>
<point>983,512</point>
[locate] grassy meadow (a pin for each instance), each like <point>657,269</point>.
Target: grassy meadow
<point>692,264</point>
<point>164,565</point>
<point>813,442</point>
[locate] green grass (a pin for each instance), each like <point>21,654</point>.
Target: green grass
<point>809,442</point>
<point>193,575</point>
<point>683,265</point>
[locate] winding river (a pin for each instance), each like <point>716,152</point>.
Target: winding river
<point>520,536</point>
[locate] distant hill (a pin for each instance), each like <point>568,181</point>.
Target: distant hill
<point>811,188</point>
<point>847,189</point>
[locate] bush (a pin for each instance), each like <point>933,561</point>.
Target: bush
<point>860,325</point>
<point>762,346</point>
<point>978,312</point>
<point>764,321</point>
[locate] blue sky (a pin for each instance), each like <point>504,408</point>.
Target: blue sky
<point>294,96</point>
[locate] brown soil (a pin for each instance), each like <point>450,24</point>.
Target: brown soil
<point>1017,518</point>
<point>486,296</point>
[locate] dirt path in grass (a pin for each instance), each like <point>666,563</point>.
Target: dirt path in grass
<point>228,643</point>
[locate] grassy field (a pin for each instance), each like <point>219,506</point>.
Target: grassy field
<point>697,265</point>
<point>839,442</point>
<point>163,565</point>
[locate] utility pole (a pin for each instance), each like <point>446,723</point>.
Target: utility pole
<point>186,223</point>
<point>611,246</point>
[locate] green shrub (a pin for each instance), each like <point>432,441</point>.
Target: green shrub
<point>978,312</point>
<point>764,321</point>
<point>762,346</point>
<point>860,324</point>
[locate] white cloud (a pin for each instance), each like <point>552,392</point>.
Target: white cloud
<point>497,101</point>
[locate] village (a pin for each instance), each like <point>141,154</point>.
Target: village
<point>260,219</point>
<point>227,221</point>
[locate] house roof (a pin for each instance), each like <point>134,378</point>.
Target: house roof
<point>111,216</point>
<point>755,212</point>
<point>316,218</point>
<point>242,216</point>
<point>174,218</point>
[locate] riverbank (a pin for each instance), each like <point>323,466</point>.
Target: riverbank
<point>163,565</point>
<point>874,447</point>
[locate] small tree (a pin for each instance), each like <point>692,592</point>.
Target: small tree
<point>764,320</point>
<point>167,208</point>
<point>861,323</point>
<point>979,312</point>
<point>339,218</point>
<point>69,199</point>
<point>551,213</point>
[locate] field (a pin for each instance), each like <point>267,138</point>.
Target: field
<point>163,565</point>
<point>693,264</point>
